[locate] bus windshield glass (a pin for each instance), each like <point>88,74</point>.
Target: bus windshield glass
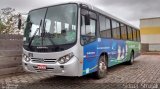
<point>49,26</point>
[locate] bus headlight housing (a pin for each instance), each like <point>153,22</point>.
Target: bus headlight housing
<point>26,58</point>
<point>65,58</point>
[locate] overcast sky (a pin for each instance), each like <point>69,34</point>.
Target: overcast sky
<point>128,10</point>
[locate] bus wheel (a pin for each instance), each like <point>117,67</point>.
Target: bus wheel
<point>130,62</point>
<point>102,67</point>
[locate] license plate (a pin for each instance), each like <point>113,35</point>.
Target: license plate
<point>42,67</point>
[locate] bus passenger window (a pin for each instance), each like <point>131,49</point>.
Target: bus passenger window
<point>123,32</point>
<point>134,35</point>
<point>115,29</point>
<point>105,27</point>
<point>108,28</point>
<point>130,36</point>
<point>138,35</point>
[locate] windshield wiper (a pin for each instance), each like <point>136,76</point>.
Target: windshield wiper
<point>38,29</point>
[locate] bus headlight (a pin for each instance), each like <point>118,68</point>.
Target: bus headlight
<point>26,58</point>
<point>65,58</point>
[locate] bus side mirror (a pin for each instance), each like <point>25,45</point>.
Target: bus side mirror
<point>87,20</point>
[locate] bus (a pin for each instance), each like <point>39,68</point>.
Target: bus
<point>76,39</point>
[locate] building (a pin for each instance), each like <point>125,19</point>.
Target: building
<point>150,33</point>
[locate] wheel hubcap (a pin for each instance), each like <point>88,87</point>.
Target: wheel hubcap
<point>102,66</point>
<point>132,59</point>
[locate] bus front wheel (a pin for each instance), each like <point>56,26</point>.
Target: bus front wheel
<point>102,67</point>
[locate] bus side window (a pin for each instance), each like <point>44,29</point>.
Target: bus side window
<point>130,37</point>
<point>105,27</point>
<point>115,29</point>
<point>134,35</point>
<point>138,35</point>
<point>123,31</point>
<point>88,32</point>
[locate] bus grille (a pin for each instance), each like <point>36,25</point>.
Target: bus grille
<point>40,60</point>
<point>42,50</point>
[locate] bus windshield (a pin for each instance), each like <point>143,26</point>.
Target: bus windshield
<point>49,26</point>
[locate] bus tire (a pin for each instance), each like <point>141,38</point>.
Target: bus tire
<point>102,67</point>
<point>130,62</point>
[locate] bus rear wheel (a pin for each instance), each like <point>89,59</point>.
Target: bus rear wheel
<point>102,67</point>
<point>130,62</point>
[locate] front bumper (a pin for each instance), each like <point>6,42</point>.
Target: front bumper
<point>71,68</point>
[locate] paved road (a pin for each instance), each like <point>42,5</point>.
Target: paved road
<point>146,69</point>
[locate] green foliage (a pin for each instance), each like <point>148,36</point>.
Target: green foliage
<point>2,27</point>
<point>9,19</point>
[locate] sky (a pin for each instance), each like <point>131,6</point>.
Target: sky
<point>128,10</point>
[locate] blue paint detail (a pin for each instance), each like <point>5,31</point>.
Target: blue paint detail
<point>90,60</point>
<point>93,51</point>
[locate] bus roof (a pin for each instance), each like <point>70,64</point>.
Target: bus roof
<point>95,9</point>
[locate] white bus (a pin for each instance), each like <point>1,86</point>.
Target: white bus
<point>75,39</point>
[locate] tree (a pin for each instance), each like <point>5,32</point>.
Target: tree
<point>9,19</point>
<point>2,27</point>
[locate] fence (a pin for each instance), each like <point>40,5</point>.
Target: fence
<point>10,53</point>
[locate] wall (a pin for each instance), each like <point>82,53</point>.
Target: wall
<point>150,33</point>
<point>10,54</point>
